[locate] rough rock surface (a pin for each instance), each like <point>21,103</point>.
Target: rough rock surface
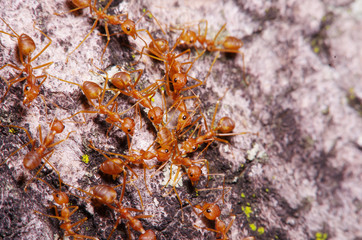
<point>299,179</point>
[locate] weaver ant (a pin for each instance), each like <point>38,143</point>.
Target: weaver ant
<point>125,212</point>
<point>33,158</point>
<point>62,199</point>
<point>122,80</point>
<point>93,91</point>
<point>128,26</point>
<point>224,127</point>
<point>212,212</point>
<point>26,47</point>
<point>229,44</point>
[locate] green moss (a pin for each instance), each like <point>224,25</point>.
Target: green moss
<point>321,236</point>
<point>266,189</point>
<point>242,195</point>
<point>261,230</point>
<point>85,158</point>
<point>316,49</point>
<point>252,226</point>
<point>247,210</point>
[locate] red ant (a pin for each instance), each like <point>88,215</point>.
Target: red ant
<point>225,126</point>
<point>133,158</point>
<point>33,158</point>
<point>26,47</point>
<point>212,212</point>
<point>128,26</point>
<point>122,80</point>
<point>93,91</point>
<point>62,199</point>
<point>229,45</point>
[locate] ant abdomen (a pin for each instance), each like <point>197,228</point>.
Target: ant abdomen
<point>81,3</point>
<point>225,125</point>
<point>121,80</point>
<point>112,166</point>
<point>31,160</point>
<point>148,235</point>
<point>232,43</point>
<point>104,194</point>
<point>26,45</point>
<point>92,90</point>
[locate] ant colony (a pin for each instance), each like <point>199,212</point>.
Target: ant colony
<point>181,134</point>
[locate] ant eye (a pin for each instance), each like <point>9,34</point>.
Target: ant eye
<point>191,175</point>
<point>27,88</point>
<point>175,80</point>
<point>151,118</point>
<point>193,148</point>
<point>208,210</point>
<point>184,117</point>
<point>128,29</point>
<point>166,151</point>
<point>129,130</point>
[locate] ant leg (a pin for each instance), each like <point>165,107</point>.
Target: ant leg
<point>52,145</point>
<point>108,39</point>
<point>114,227</point>
<point>46,46</point>
<point>218,33</point>
<point>212,64</point>
<point>72,10</point>
<point>151,16</point>
<point>31,141</point>
<point>90,32</point>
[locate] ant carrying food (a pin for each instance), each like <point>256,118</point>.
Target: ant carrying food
<point>26,47</point>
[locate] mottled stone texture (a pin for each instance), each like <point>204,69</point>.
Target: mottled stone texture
<point>299,179</point>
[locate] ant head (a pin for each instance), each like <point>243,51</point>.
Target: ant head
<point>26,45</point>
<point>155,115</point>
<point>60,198</point>
<point>129,28</point>
<point>104,194</point>
<point>163,153</point>
<point>225,125</point>
<point>128,126</point>
<point>189,145</point>
<point>184,120</point>
<point>159,45</point>
<point>57,126</point>
<point>179,80</point>
<point>81,3</point>
<point>211,211</point>
<point>121,80</point>
<point>92,90</point>
<point>112,166</point>
<point>194,173</point>
<point>30,93</point>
